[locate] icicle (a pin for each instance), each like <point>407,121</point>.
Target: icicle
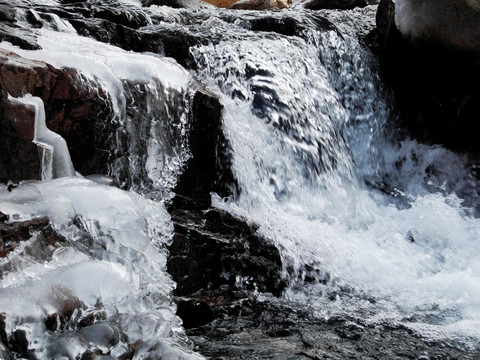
<point>54,156</point>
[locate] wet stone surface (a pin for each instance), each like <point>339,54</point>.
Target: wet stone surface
<point>247,328</point>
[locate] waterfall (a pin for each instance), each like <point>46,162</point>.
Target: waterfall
<point>369,223</point>
<point>320,166</point>
<point>54,156</point>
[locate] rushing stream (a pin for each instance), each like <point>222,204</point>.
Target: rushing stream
<point>383,227</point>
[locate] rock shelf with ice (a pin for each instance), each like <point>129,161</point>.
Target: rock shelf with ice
<point>111,268</point>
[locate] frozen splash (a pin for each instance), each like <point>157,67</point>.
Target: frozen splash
<point>380,225</point>
<point>53,151</point>
<point>113,263</point>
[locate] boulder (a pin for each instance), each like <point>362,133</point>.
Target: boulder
<point>261,4</point>
<point>221,3</point>
<point>435,77</point>
<point>189,4</point>
<point>449,24</point>
<point>335,4</point>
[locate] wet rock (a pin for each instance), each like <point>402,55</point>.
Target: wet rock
<point>69,309</point>
<point>224,253</point>
<point>261,4</point>
<point>175,3</point>
<point>3,333</point>
<point>221,3</point>
<point>335,4</point>
<point>19,342</point>
<point>175,43</point>
<point>12,233</point>
<point>435,83</point>
<point>208,170</point>
<point>271,329</point>
<point>5,353</point>
<point>171,3</point>
<point>129,18</point>
<point>18,36</point>
<point>449,24</point>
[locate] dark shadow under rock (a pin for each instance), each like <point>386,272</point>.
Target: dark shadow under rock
<point>208,170</point>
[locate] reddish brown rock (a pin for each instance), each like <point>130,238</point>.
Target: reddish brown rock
<point>73,108</point>
<point>221,3</point>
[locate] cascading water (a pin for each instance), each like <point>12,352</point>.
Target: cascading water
<point>382,224</point>
<point>383,228</point>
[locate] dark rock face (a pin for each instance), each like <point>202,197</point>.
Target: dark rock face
<point>73,108</point>
<point>209,167</point>
<point>436,87</point>
<point>175,3</point>
<point>218,251</point>
<point>448,24</point>
<point>335,4</point>
<point>11,32</point>
<point>172,3</point>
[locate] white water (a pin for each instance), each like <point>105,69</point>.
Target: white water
<point>55,157</point>
<point>318,167</point>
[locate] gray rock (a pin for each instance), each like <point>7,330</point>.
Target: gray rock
<point>5,354</point>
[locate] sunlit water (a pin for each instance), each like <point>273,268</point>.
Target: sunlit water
<point>385,226</point>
